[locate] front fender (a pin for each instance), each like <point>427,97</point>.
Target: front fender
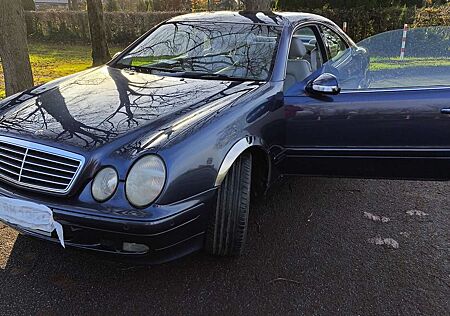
<point>230,157</point>
<point>199,158</point>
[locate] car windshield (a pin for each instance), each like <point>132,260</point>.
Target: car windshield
<point>207,50</point>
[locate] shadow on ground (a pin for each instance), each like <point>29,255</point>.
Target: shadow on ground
<point>316,246</point>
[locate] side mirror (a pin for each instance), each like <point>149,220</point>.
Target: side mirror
<point>116,54</point>
<point>324,84</point>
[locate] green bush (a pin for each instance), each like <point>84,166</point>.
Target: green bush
<point>433,16</point>
<point>294,5</point>
<point>363,23</point>
<point>124,27</point>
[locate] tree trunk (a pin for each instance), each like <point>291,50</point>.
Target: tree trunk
<point>14,47</point>
<point>100,51</point>
<point>77,5</point>
<point>28,5</point>
<point>258,5</point>
<point>71,4</point>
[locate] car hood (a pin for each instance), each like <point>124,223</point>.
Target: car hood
<point>106,104</point>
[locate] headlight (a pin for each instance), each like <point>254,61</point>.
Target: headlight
<point>145,180</point>
<point>104,184</point>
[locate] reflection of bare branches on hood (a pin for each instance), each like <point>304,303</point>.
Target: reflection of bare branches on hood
<point>198,115</point>
<point>143,96</point>
<point>96,108</point>
<point>71,126</point>
<point>52,105</point>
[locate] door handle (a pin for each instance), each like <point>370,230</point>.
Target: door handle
<point>445,111</point>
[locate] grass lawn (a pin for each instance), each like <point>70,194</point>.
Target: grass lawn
<point>380,63</point>
<point>51,61</point>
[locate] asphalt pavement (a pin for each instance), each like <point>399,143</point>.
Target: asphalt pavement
<point>316,247</point>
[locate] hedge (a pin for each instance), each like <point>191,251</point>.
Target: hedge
<point>72,26</point>
<point>124,27</point>
<point>363,23</point>
<point>433,16</point>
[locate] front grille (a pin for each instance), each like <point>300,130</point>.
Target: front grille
<point>37,166</point>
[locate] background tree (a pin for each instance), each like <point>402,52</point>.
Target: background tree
<point>226,5</point>
<point>175,5</point>
<point>100,51</point>
<point>149,5</point>
<point>28,5</point>
<point>314,4</point>
<point>14,47</point>
<point>128,5</point>
<point>257,5</point>
<point>112,5</point>
<point>142,6</point>
<point>76,5</point>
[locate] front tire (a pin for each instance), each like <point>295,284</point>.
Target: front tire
<point>227,229</point>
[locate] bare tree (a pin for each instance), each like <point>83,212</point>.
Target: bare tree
<point>28,5</point>
<point>14,48</point>
<point>72,5</point>
<point>258,5</point>
<point>76,5</point>
<point>100,51</point>
<point>112,5</point>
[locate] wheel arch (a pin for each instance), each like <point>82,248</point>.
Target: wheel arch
<point>260,162</point>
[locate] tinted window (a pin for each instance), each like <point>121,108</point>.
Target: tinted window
<point>307,33</point>
<point>309,39</point>
<point>335,45</point>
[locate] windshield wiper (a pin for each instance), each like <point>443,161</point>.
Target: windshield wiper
<point>184,74</point>
<point>147,69</point>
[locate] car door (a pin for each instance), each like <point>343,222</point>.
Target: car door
<point>399,131</point>
<point>345,60</point>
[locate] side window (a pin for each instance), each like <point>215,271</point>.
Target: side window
<point>304,56</point>
<point>335,45</point>
<point>343,61</point>
<point>309,39</point>
<point>413,58</point>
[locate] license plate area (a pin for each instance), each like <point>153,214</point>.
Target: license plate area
<point>29,216</point>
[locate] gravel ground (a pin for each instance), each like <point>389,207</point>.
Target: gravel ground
<point>316,247</point>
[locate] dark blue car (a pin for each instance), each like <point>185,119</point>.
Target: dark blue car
<point>160,152</point>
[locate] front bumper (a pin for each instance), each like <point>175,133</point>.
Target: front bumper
<point>167,238</point>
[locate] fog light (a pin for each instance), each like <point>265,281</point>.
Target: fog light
<point>132,247</point>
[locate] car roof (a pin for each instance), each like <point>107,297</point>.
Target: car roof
<point>267,18</point>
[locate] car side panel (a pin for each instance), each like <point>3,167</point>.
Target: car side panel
<point>379,134</point>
